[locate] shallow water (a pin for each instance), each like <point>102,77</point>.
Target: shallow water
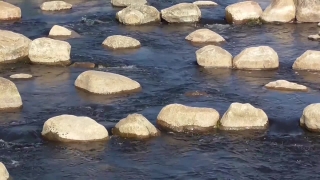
<point>166,68</point>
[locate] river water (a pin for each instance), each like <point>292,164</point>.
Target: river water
<point>166,67</point>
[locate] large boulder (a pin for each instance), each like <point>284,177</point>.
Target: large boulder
<point>13,46</point>
<point>243,116</point>
<point>205,3</point>
<point>257,58</point>
<point>125,3</point>
<point>68,128</point>
<point>49,51</point>
<point>138,14</point>
<point>204,36</point>
<point>309,60</point>
<point>4,174</point>
<point>280,11</point>
<point>181,13</point>
<point>214,56</point>
<point>99,82</point>
<point>55,6</point>
<point>121,42</point>
<point>135,126</point>
<point>310,117</point>
<point>180,118</point>
<point>286,86</point>
<point>9,97</point>
<point>308,10</point>
<point>58,31</point>
<point>243,12</point>
<point>9,11</point>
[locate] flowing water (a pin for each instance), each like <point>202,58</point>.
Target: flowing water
<point>166,67</point>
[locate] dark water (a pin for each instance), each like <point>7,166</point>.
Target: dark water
<point>165,66</point>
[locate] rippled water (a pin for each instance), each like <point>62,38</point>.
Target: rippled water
<point>166,67</point>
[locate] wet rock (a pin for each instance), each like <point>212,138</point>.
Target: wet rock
<point>88,65</point>
<point>310,117</point>
<point>10,97</point>
<point>57,31</point>
<point>214,56</point>
<point>280,11</point>
<point>49,51</point>
<point>99,82</point>
<point>204,36</point>
<point>55,6</point>
<point>308,10</point>
<point>4,174</point>
<point>125,3</point>
<point>315,37</point>
<point>196,94</point>
<point>9,11</point>
<point>205,3</point>
<point>138,15</point>
<point>243,12</point>
<point>121,42</point>
<point>180,118</point>
<point>181,13</point>
<point>286,86</point>
<point>257,58</point>
<point>309,60</point>
<point>135,126</point>
<point>243,116</point>
<point>68,128</point>
<point>21,76</point>
<point>13,46</point>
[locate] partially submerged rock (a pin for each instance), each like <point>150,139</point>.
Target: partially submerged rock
<point>21,76</point>
<point>138,15</point>
<point>309,60</point>
<point>13,46</point>
<point>205,36</point>
<point>9,11</point>
<point>315,37</point>
<point>310,117</point>
<point>286,86</point>
<point>214,56</point>
<point>4,174</point>
<point>99,82</point>
<point>125,3</point>
<point>181,13</point>
<point>121,42</point>
<point>135,126</point>
<point>69,128</point>
<point>180,118</point>
<point>55,6</point>
<point>60,31</point>
<point>308,10</point>
<point>243,12</point>
<point>49,52</point>
<point>196,94</point>
<point>205,3</point>
<point>257,58</point>
<point>243,116</point>
<point>9,97</point>
<point>280,11</point>
<point>88,65</point>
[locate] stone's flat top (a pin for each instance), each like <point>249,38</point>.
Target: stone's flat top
<point>21,76</point>
<point>205,3</point>
<point>285,85</point>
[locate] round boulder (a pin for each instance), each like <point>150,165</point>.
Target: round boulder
<point>205,3</point>
<point>10,97</point>
<point>125,3</point>
<point>99,82</point>
<point>243,116</point>
<point>57,31</point>
<point>138,14</point>
<point>68,128</point>
<point>204,36</point>
<point>310,117</point>
<point>135,126</point>
<point>180,118</point>
<point>121,42</point>
<point>9,11</point>
<point>55,6</point>
<point>214,56</point>
<point>257,58</point>
<point>13,46</point>
<point>280,11</point>
<point>243,12</point>
<point>4,174</point>
<point>308,10</point>
<point>50,52</point>
<point>309,60</point>
<point>286,86</point>
<point>181,13</point>
<point>21,76</point>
